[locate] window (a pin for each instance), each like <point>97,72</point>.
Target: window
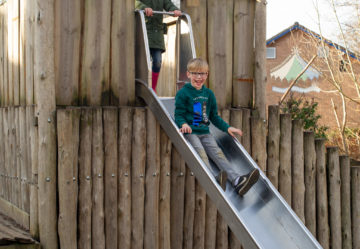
<point>271,53</point>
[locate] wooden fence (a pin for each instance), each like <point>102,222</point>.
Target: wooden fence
<point>121,183</point>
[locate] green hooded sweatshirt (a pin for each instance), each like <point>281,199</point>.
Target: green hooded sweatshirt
<point>154,24</point>
<point>197,108</point>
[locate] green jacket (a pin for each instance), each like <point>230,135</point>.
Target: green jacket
<point>197,108</point>
<point>154,24</point>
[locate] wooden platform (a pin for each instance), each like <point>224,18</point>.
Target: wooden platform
<point>13,236</point>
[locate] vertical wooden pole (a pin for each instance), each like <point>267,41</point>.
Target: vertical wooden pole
<point>355,187</point>
<point>7,152</point>
<point>177,200</point>
<point>258,142</point>
<point>110,117</point>
<point>138,178</point>
<point>24,161</point>
<point>285,186</point>
<point>197,9</point>
<point>273,145</point>
<point>322,224</point>
<point>85,180</point>
<point>68,147</point>
<point>220,33</point>
<point>17,162</point>
<point>46,107</point>
<point>95,71</point>
<point>33,158</point>
<point>122,46</point>
<point>243,74</point>
<point>97,160</point>
<point>260,57</point>
<point>152,181</point>
<point>14,73</point>
<point>236,120</point>
<point>124,180</point>
<point>222,236</point>
<point>246,128</point>
<point>6,55</point>
<point>2,153</point>
<point>29,50</point>
<point>210,224</point>
<point>189,212</point>
<point>297,169</point>
<point>2,51</point>
<point>310,181</point>
<point>200,215</point>
<point>334,197</point>
<point>21,49</point>
<point>68,17</point>
<point>345,202</point>
<point>165,184</point>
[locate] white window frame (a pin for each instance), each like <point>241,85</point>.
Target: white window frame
<point>271,53</point>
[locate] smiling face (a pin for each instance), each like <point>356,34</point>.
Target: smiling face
<point>197,78</point>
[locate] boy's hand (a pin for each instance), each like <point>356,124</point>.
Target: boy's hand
<point>177,13</point>
<point>148,11</point>
<point>185,128</point>
<point>232,131</point>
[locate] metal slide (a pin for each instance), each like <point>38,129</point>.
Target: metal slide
<point>260,219</point>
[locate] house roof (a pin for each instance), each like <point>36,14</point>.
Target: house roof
<point>297,26</point>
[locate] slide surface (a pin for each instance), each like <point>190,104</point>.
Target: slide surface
<point>260,219</point>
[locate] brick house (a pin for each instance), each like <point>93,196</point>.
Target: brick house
<point>289,52</point>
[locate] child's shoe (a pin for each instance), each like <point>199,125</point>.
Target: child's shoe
<point>221,178</point>
<point>245,182</point>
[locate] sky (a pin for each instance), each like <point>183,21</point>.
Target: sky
<point>282,14</point>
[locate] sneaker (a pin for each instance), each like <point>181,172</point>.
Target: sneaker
<point>221,178</point>
<point>245,182</point>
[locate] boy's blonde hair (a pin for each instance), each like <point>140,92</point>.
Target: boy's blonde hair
<point>197,64</point>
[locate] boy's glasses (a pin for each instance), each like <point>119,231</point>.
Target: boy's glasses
<point>201,74</point>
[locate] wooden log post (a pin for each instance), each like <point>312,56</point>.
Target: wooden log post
<point>260,57</point>
<point>17,162</point>
<point>258,142</point>
<point>124,179</point>
<point>97,171</point>
<point>122,46</point>
<point>273,146</point>
<point>297,169</point>
<point>322,224</point>
<point>5,100</point>
<point>7,153</point>
<point>29,50</point>
<point>67,51</point>
<point>21,49</point>
<point>2,50</point>
<point>138,178</point>
<point>285,186</point>
<point>13,51</point>
<point>222,230</point>
<point>2,152</point>
<point>310,181</point>
<point>164,199</point>
<point>220,33</point>
<point>95,70</point>
<point>45,77</point>
<point>197,9</point>
<point>334,197</point>
<point>243,67</point>
<point>24,161</point>
<point>355,198</point>
<point>200,216</point>
<point>152,181</point>
<point>236,120</point>
<point>33,158</point>
<point>246,129</point>
<point>85,180</point>
<point>345,175</point>
<point>110,117</point>
<point>68,146</point>
<point>189,211</point>
<point>177,200</point>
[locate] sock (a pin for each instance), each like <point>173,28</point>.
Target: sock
<point>155,77</point>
